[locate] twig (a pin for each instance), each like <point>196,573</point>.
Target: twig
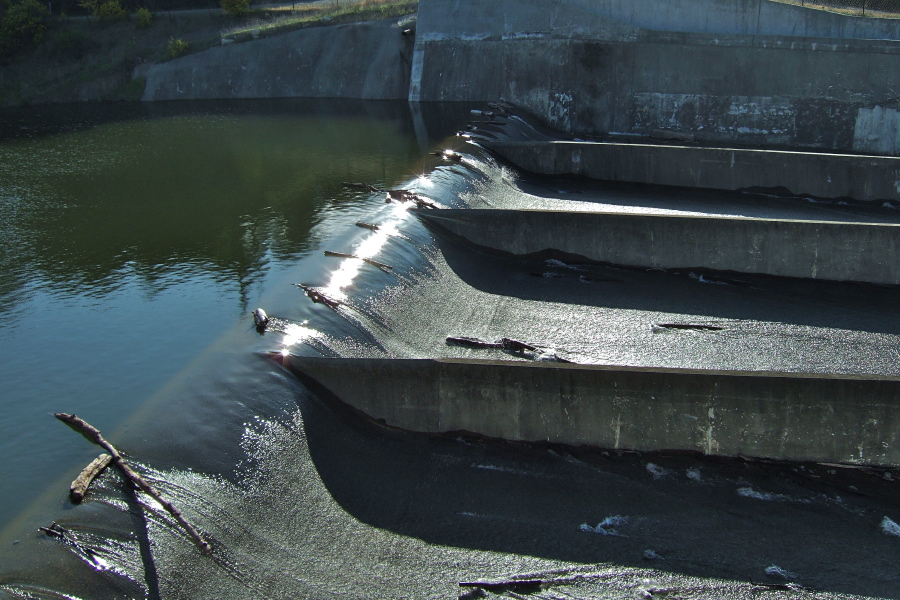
<point>93,434</point>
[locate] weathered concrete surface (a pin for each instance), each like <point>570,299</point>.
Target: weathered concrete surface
<point>827,250</point>
<point>822,175</point>
<point>775,415</point>
<point>723,71</point>
<point>359,60</point>
<point>745,17</point>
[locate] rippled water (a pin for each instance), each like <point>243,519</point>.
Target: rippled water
<point>134,249</point>
<point>132,237</point>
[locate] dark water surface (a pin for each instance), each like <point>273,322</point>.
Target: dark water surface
<point>132,236</point>
<point>137,239</point>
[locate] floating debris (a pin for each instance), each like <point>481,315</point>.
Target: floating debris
<point>508,345</point>
<point>80,485</point>
<point>606,526</point>
<point>380,265</point>
<point>55,530</point>
<point>318,297</point>
<point>360,186</point>
<point>448,155</point>
<point>93,434</point>
<point>367,225</point>
<point>260,319</point>
<point>694,326</point>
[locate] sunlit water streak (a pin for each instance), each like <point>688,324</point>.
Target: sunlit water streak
<point>301,503</point>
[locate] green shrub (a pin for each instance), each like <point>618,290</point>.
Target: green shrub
<point>90,5</point>
<point>236,7</point>
<point>111,10</point>
<point>177,47</point>
<point>69,43</point>
<point>23,25</point>
<point>143,17</point>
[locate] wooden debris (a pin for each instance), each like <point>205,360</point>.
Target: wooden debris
<point>517,346</point>
<point>690,326</point>
<point>382,266</point>
<point>55,530</point>
<point>448,155</point>
<point>93,434</point>
<point>318,297</point>
<point>471,342</point>
<point>80,485</point>
<point>399,195</point>
<point>367,226</point>
<point>360,186</point>
<point>516,585</point>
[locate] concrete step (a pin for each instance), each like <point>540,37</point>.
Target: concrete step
<point>790,416</point>
<point>829,250</point>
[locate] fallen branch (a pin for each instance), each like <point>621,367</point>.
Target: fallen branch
<point>689,326</point>
<point>93,435</point>
<point>360,186</point>
<point>318,297</point>
<point>382,266</point>
<point>80,485</point>
<point>517,585</point>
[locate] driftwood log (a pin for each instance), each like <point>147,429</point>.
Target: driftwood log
<point>93,435</point>
<point>80,485</point>
<point>374,263</point>
<point>318,297</point>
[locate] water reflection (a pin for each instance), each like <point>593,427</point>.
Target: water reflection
<point>132,235</point>
<point>223,193</point>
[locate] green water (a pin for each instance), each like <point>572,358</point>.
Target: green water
<point>131,237</point>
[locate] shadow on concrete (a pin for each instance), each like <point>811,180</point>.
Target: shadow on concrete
<point>680,513</point>
<point>851,306</point>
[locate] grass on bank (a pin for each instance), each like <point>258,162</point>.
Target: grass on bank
<point>82,59</point>
<point>288,18</point>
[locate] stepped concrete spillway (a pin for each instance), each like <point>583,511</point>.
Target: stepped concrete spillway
<point>838,251</point>
<point>791,416</point>
<point>823,175</point>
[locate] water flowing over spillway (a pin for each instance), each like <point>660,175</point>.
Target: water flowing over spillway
<point>301,501</point>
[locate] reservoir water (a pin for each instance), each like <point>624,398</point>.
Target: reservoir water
<point>137,239</point>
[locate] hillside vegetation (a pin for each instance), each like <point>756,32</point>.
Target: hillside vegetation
<point>92,53</point>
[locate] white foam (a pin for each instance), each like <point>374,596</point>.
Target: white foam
<point>890,527</point>
<point>657,471</point>
<point>778,571</point>
<point>749,492</point>
<point>694,474</point>
<point>606,526</point>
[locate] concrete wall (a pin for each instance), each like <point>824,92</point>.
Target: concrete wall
<point>720,69</point>
<point>808,249</point>
<point>781,416</point>
<point>869,178</point>
<point>362,60</point>
<point>452,18</point>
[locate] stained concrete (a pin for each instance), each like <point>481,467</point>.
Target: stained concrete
<point>748,72</point>
<point>862,252</point>
<point>822,175</point>
<point>358,60</point>
<point>830,418</point>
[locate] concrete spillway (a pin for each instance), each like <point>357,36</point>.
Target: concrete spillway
<point>823,175</point>
<point>831,418</point>
<point>861,252</point>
